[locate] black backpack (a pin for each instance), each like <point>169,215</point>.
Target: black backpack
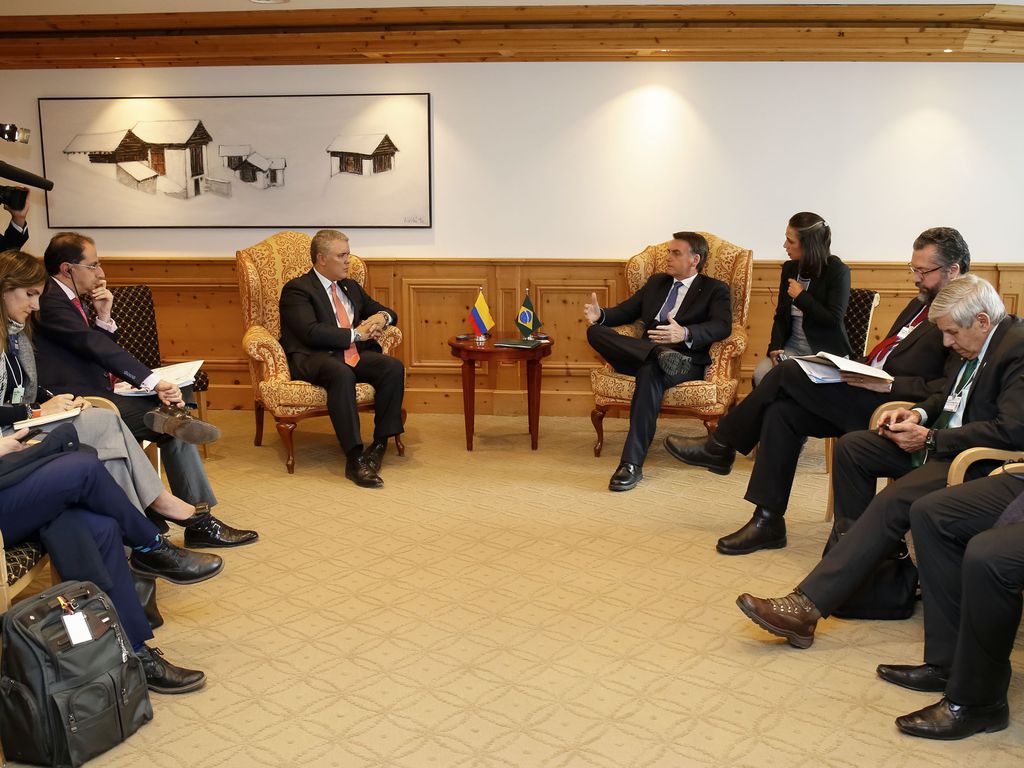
<point>62,704</point>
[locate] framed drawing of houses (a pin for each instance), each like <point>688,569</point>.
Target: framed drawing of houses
<point>360,160</point>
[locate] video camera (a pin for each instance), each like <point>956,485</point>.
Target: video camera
<point>15,197</point>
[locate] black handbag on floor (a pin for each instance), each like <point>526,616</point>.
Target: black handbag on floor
<point>62,703</point>
<point>888,592</point>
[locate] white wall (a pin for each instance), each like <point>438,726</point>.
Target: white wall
<point>597,160</point>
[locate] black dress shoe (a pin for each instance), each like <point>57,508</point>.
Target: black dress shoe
<point>626,477</point>
<point>674,364</point>
<point>708,453</point>
<point>920,677</point>
<point>145,589</point>
<point>177,565</point>
<point>164,677</point>
<point>374,455</point>
<point>205,530</point>
<point>362,474</point>
<point>946,720</point>
<point>765,530</point>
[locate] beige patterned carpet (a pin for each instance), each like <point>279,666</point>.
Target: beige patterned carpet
<point>502,608</point>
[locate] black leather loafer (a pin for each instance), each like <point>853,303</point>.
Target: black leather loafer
<point>707,453</point>
<point>948,721</point>
<point>626,477</point>
<point>920,677</point>
<point>362,474</point>
<point>374,455</point>
<point>205,530</point>
<point>765,530</point>
<point>164,677</point>
<point>176,565</point>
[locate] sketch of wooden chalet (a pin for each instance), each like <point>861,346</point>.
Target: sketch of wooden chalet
<point>233,155</point>
<point>175,150</point>
<point>363,153</point>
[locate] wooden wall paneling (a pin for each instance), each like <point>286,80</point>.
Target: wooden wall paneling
<point>198,315</point>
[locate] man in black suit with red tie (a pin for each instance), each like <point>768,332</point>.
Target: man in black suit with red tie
<point>684,312</point>
<point>329,331</point>
<point>787,407</point>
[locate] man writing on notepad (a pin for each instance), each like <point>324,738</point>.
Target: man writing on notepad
<point>79,354</point>
<point>787,407</point>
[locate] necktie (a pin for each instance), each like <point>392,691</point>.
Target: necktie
<point>351,353</point>
<point>943,419</point>
<point>81,310</point>
<point>670,301</point>
<point>885,345</point>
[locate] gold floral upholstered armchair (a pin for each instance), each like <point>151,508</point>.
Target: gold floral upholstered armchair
<point>707,399</point>
<point>263,270</point>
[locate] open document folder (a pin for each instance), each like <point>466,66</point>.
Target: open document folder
<point>826,368</point>
<point>182,374</point>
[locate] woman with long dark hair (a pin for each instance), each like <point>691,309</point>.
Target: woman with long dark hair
<point>813,294</point>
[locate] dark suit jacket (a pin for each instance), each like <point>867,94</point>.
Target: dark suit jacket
<point>706,312</point>
<point>12,239</point>
<point>994,414</point>
<point>918,363</point>
<point>823,304</point>
<point>74,357</point>
<point>308,324</point>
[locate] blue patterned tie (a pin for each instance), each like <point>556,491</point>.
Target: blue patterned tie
<point>670,301</point>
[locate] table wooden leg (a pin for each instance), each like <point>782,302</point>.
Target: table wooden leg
<point>469,398</point>
<point>533,399</point>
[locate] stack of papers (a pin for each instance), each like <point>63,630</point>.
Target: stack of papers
<point>826,368</point>
<point>181,374</point>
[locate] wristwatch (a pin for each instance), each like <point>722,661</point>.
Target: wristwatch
<point>356,337</point>
<point>929,441</point>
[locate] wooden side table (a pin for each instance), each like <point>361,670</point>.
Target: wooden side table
<point>469,351</point>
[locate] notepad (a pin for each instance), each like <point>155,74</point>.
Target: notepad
<point>39,421</point>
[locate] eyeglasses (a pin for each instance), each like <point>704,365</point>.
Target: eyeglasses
<point>921,272</point>
<point>93,267</point>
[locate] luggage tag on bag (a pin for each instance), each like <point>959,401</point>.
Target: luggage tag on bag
<point>75,623</point>
<point>77,627</point>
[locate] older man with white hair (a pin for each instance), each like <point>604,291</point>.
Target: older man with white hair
<point>983,405</point>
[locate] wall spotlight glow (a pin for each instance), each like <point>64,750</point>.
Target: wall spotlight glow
<point>947,50</point>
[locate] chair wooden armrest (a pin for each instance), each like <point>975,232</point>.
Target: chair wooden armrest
<point>964,459</point>
<point>102,402</point>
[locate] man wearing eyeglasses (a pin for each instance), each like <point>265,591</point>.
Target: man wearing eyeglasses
<point>787,407</point>
<point>77,354</point>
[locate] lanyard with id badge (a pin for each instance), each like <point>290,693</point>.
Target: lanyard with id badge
<point>13,361</point>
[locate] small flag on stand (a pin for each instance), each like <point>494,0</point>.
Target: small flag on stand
<point>527,321</point>
<point>480,316</point>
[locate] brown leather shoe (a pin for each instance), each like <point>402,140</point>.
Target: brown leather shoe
<point>179,423</point>
<point>793,617</point>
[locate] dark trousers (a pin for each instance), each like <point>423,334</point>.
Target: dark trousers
<point>385,373</point>
<point>971,580</point>
<point>633,357</point>
<point>778,414</point>
<point>881,520</point>
<point>186,473</point>
<point>83,518</point>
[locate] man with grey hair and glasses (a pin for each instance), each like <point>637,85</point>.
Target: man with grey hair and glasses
<point>982,406</point>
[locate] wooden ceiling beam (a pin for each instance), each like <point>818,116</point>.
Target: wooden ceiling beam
<point>521,33</point>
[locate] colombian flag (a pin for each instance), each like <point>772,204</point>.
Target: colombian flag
<point>480,316</point>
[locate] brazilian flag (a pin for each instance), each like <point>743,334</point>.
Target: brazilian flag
<point>526,320</point>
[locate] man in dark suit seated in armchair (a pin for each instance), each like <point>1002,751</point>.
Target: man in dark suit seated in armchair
<point>683,312</point>
<point>983,406</point>
<point>329,331</point>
